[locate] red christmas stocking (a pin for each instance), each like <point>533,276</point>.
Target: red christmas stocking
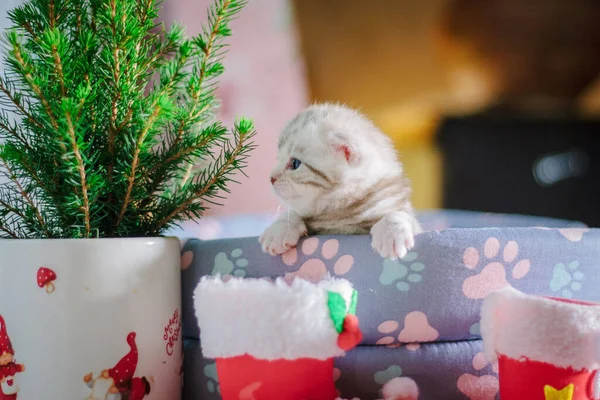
<point>546,348</point>
<point>276,340</point>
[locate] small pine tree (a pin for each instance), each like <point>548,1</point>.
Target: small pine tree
<point>104,113</point>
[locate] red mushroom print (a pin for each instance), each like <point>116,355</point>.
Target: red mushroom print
<point>45,277</point>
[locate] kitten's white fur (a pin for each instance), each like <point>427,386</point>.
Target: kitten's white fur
<point>350,181</point>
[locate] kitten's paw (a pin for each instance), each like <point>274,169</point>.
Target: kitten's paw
<point>281,236</point>
<point>393,235</point>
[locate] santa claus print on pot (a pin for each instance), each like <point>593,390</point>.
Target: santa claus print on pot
<point>119,382</point>
<point>46,278</point>
<point>8,366</point>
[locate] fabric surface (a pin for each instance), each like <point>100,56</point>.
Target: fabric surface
<point>451,370</point>
<point>246,225</point>
<point>432,296</point>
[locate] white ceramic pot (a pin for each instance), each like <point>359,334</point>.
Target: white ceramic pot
<point>90,319</point>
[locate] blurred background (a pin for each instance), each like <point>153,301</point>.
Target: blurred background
<point>493,105</point>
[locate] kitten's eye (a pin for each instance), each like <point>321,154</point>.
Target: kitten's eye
<point>295,164</point>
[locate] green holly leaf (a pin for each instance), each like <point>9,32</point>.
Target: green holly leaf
<point>353,302</point>
<point>337,310</point>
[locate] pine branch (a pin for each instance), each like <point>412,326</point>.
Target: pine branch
<point>226,164</point>
<point>111,114</point>
<point>10,233</point>
<point>82,175</point>
<point>26,71</point>
<point>27,18</point>
<point>11,175</point>
<point>112,129</point>
<point>31,172</point>
<point>20,108</point>
<point>16,213</point>
<point>13,130</point>
<point>10,208</point>
<point>177,155</point>
<point>209,67</point>
<point>195,94</point>
<point>157,107</point>
<point>218,30</point>
<point>59,70</point>
<point>134,164</point>
<point>22,220</point>
<point>51,16</point>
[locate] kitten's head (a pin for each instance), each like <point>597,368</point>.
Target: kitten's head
<point>323,150</point>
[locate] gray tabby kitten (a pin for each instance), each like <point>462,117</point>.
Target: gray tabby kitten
<point>339,174</point>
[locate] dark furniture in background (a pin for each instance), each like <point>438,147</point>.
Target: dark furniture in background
<point>518,165</point>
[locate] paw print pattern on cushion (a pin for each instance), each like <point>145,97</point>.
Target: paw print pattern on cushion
<point>573,234</point>
<point>416,330</point>
<point>232,264</point>
<point>186,259</point>
<point>478,387</point>
<point>492,276</point>
<point>403,273</point>
<point>386,375</point>
<point>388,328</point>
<point>480,362</point>
<point>314,269</point>
<point>212,378</point>
<point>566,279</point>
<point>336,374</point>
<point>483,387</point>
<point>475,329</point>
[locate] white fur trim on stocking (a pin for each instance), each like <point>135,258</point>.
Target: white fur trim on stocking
<point>266,319</point>
<point>562,334</point>
<point>596,388</point>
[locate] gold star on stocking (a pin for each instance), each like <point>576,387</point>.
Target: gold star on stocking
<point>565,393</point>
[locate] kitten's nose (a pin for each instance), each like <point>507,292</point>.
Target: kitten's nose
<point>273,180</point>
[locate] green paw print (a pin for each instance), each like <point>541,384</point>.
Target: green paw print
<point>566,279</point>
<point>475,329</point>
<point>383,377</point>
<point>212,378</point>
<point>396,271</point>
<point>232,264</point>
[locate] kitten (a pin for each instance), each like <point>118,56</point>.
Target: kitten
<point>339,174</point>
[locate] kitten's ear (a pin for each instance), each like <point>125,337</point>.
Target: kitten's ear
<point>342,146</point>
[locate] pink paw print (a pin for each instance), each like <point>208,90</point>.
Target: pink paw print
<point>187,258</point>
<point>416,330</point>
<point>483,387</point>
<point>492,276</point>
<point>315,269</point>
<point>573,234</point>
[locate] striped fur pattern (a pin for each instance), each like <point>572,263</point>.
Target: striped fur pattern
<point>339,174</point>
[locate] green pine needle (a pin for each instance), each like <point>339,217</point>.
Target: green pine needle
<point>104,113</point>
